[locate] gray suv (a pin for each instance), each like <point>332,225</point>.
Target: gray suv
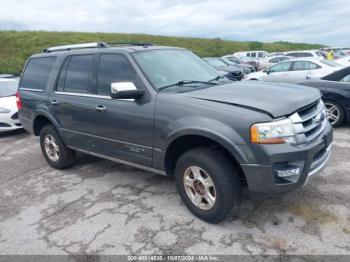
<point>165,110</point>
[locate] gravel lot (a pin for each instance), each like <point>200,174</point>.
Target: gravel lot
<point>101,207</point>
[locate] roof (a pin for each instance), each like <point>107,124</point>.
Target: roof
<point>101,47</point>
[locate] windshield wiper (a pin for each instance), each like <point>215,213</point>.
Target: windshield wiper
<point>217,78</point>
<point>185,82</point>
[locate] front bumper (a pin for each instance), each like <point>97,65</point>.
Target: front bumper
<point>9,121</point>
<point>261,174</point>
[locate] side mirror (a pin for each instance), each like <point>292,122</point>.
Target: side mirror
<point>268,71</point>
<point>125,90</point>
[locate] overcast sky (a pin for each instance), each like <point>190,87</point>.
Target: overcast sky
<point>313,21</point>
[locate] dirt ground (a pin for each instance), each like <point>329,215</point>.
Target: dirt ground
<point>101,207</point>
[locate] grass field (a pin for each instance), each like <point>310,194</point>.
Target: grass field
<point>16,47</point>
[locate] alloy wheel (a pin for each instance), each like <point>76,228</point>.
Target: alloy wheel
<point>333,113</point>
<point>51,148</point>
<point>199,187</point>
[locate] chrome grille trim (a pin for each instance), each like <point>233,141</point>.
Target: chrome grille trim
<point>307,131</point>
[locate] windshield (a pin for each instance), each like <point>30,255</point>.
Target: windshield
<point>330,63</point>
<point>8,87</point>
<point>166,67</point>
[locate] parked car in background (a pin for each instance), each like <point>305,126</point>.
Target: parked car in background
<point>6,76</point>
<point>247,68</point>
<point>230,71</point>
<point>165,110</point>
<point>253,54</point>
<point>344,61</point>
<point>305,54</point>
<point>335,89</point>
<point>243,60</point>
<point>276,54</point>
<point>277,59</point>
<point>260,58</point>
<point>296,70</point>
<point>8,108</point>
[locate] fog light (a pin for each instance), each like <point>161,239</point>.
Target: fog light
<point>288,172</point>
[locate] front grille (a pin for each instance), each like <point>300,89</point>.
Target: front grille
<point>309,122</point>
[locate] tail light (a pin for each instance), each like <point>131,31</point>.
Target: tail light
<point>18,101</point>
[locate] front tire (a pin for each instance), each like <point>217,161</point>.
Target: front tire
<point>208,184</point>
<point>53,149</point>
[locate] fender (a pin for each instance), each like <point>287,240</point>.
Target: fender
<point>42,112</point>
<point>209,128</point>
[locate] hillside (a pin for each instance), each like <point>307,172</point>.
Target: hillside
<point>16,47</point>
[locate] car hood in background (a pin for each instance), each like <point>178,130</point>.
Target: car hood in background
<point>8,102</point>
<point>227,68</point>
<point>318,83</point>
<point>274,99</point>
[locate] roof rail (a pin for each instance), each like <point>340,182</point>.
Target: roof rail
<point>130,44</point>
<point>77,46</point>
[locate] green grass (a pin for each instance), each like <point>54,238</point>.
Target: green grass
<point>16,47</point>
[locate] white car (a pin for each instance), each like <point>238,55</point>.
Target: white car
<point>345,61</point>
<point>305,54</point>
<point>276,59</point>
<point>8,107</point>
<point>296,70</point>
<point>253,54</point>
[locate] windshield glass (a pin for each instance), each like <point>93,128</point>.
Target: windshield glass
<point>8,87</point>
<point>166,67</point>
<point>330,63</point>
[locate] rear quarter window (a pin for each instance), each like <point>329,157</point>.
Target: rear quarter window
<point>37,73</point>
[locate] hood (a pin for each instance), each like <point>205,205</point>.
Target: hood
<point>8,102</point>
<point>273,99</point>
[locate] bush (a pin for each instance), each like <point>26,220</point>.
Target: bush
<point>16,47</point>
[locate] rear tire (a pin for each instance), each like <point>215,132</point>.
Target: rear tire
<point>55,152</point>
<point>195,172</point>
<point>335,113</point>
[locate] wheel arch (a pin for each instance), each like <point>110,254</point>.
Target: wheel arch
<point>190,139</point>
<point>40,119</point>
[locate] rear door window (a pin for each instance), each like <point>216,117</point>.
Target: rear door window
<point>281,67</point>
<point>77,74</point>
<point>313,66</point>
<point>300,66</point>
<point>346,78</point>
<point>37,73</point>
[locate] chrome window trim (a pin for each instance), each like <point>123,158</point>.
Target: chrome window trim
<point>31,89</point>
<point>91,96</point>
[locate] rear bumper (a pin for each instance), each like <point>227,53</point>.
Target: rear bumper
<point>262,177</point>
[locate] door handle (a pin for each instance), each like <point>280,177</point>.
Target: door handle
<point>54,102</point>
<point>100,108</point>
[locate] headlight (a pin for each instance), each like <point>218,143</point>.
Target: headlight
<point>276,132</point>
<point>4,110</point>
